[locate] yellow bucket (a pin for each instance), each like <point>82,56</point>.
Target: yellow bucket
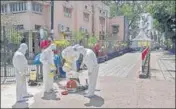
<point>33,75</point>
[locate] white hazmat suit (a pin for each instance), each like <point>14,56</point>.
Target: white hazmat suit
<point>71,56</point>
<point>90,60</point>
<point>20,63</point>
<point>47,59</point>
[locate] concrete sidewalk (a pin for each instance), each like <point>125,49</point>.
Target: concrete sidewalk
<point>162,66</point>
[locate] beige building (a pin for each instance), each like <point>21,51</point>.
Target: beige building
<point>90,17</point>
<point>86,16</point>
<point>118,28</point>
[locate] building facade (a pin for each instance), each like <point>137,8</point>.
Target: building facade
<point>118,28</point>
<point>89,17</point>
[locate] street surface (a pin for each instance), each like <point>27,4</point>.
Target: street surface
<point>118,86</point>
<point>163,67</point>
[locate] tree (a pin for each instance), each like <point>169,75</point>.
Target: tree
<point>130,9</point>
<point>10,32</point>
<point>77,35</point>
<point>163,13</point>
<point>15,37</point>
<point>92,40</point>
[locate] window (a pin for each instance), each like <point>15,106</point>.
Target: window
<point>100,11</point>
<point>18,7</point>
<point>100,32</point>
<point>85,6</point>
<point>67,12</point>
<point>2,33</point>
<point>104,13</point>
<point>102,20</point>
<point>115,29</point>
<point>37,7</point>
<point>86,17</point>
<point>37,27</point>
<point>19,27</point>
<point>3,8</point>
<point>80,29</point>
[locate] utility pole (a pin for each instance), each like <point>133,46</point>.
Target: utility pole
<point>93,31</point>
<point>52,19</point>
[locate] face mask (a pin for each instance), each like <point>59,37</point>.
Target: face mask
<point>53,47</point>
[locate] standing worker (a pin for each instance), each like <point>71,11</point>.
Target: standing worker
<point>20,63</point>
<point>90,60</point>
<point>47,59</point>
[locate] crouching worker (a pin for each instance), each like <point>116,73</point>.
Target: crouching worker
<point>90,60</point>
<point>20,63</point>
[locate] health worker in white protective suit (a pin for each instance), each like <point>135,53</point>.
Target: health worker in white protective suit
<point>90,60</point>
<point>71,56</point>
<point>47,59</point>
<point>21,65</point>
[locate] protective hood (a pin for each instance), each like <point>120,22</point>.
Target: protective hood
<point>75,47</point>
<point>23,48</point>
<point>66,51</point>
<point>81,50</point>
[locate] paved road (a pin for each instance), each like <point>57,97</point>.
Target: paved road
<point>122,66</point>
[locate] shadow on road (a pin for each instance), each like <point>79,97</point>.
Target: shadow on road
<point>23,105</point>
<point>171,71</point>
<point>51,96</point>
<point>95,101</point>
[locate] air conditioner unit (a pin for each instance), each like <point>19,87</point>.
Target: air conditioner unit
<point>81,29</point>
<point>61,28</point>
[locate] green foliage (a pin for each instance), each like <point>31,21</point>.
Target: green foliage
<point>14,37</point>
<point>113,9</point>
<point>92,41</point>
<point>78,35</point>
<point>161,12</point>
<point>131,10</point>
<point>126,9</point>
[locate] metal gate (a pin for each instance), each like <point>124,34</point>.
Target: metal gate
<point>10,41</point>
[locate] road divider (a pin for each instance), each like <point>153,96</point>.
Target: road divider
<point>145,68</point>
